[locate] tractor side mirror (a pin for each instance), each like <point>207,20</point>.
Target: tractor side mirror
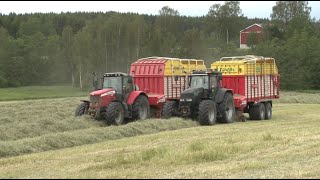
<point>136,87</point>
<point>189,82</point>
<point>95,81</point>
<point>95,85</point>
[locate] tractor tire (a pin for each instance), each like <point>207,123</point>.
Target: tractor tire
<point>81,109</point>
<point>207,112</point>
<point>227,109</point>
<point>257,112</point>
<point>268,110</point>
<point>114,114</point>
<point>170,109</point>
<point>141,108</point>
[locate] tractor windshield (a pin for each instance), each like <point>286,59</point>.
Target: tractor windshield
<point>199,81</point>
<point>112,82</point>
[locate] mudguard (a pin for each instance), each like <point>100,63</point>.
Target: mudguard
<point>133,96</point>
<point>220,94</point>
<point>240,102</point>
<point>85,101</point>
<point>156,99</point>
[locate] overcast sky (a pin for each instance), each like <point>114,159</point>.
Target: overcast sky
<point>251,9</point>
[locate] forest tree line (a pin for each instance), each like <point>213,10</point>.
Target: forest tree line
<point>65,48</point>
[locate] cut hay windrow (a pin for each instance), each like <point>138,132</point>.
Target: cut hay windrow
<point>73,138</point>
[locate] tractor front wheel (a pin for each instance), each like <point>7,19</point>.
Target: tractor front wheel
<point>115,113</point>
<point>227,109</point>
<point>170,109</point>
<point>81,109</point>
<point>141,108</point>
<point>207,112</point>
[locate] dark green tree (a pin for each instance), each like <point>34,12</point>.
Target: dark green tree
<point>226,18</point>
<point>284,11</point>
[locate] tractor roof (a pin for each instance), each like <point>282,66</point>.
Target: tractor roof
<point>208,71</point>
<point>199,72</point>
<point>115,74</point>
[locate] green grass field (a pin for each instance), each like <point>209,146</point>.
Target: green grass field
<point>40,125</point>
<point>39,92</point>
<point>42,139</point>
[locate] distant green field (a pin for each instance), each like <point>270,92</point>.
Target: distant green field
<point>308,91</point>
<point>39,92</point>
<point>307,96</point>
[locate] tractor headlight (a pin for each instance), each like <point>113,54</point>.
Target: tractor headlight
<point>108,93</point>
<point>162,99</point>
<point>244,102</point>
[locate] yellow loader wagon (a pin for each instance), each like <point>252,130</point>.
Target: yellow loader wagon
<point>254,77</point>
<point>164,75</point>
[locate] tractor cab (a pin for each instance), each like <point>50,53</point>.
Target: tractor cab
<point>120,82</point>
<point>115,86</point>
<point>208,80</point>
<point>202,85</point>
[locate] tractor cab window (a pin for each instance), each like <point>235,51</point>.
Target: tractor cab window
<point>112,82</point>
<point>128,84</point>
<point>214,82</point>
<point>199,81</point>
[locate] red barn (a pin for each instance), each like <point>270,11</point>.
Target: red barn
<point>244,34</point>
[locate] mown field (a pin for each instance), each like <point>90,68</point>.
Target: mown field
<point>39,92</point>
<point>43,139</point>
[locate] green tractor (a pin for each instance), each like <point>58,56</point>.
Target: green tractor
<point>206,100</point>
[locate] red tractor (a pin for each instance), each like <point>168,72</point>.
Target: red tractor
<point>118,100</point>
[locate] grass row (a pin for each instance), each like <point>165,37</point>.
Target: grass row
<point>27,119</point>
<point>48,124</point>
<point>284,147</point>
<point>67,139</point>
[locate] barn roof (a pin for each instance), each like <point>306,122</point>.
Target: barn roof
<point>251,26</point>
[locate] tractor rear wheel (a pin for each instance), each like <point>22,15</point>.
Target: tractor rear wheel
<point>207,112</point>
<point>170,109</point>
<point>268,110</point>
<point>141,108</point>
<point>227,109</point>
<point>257,112</point>
<point>81,109</point>
<point>115,113</point>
